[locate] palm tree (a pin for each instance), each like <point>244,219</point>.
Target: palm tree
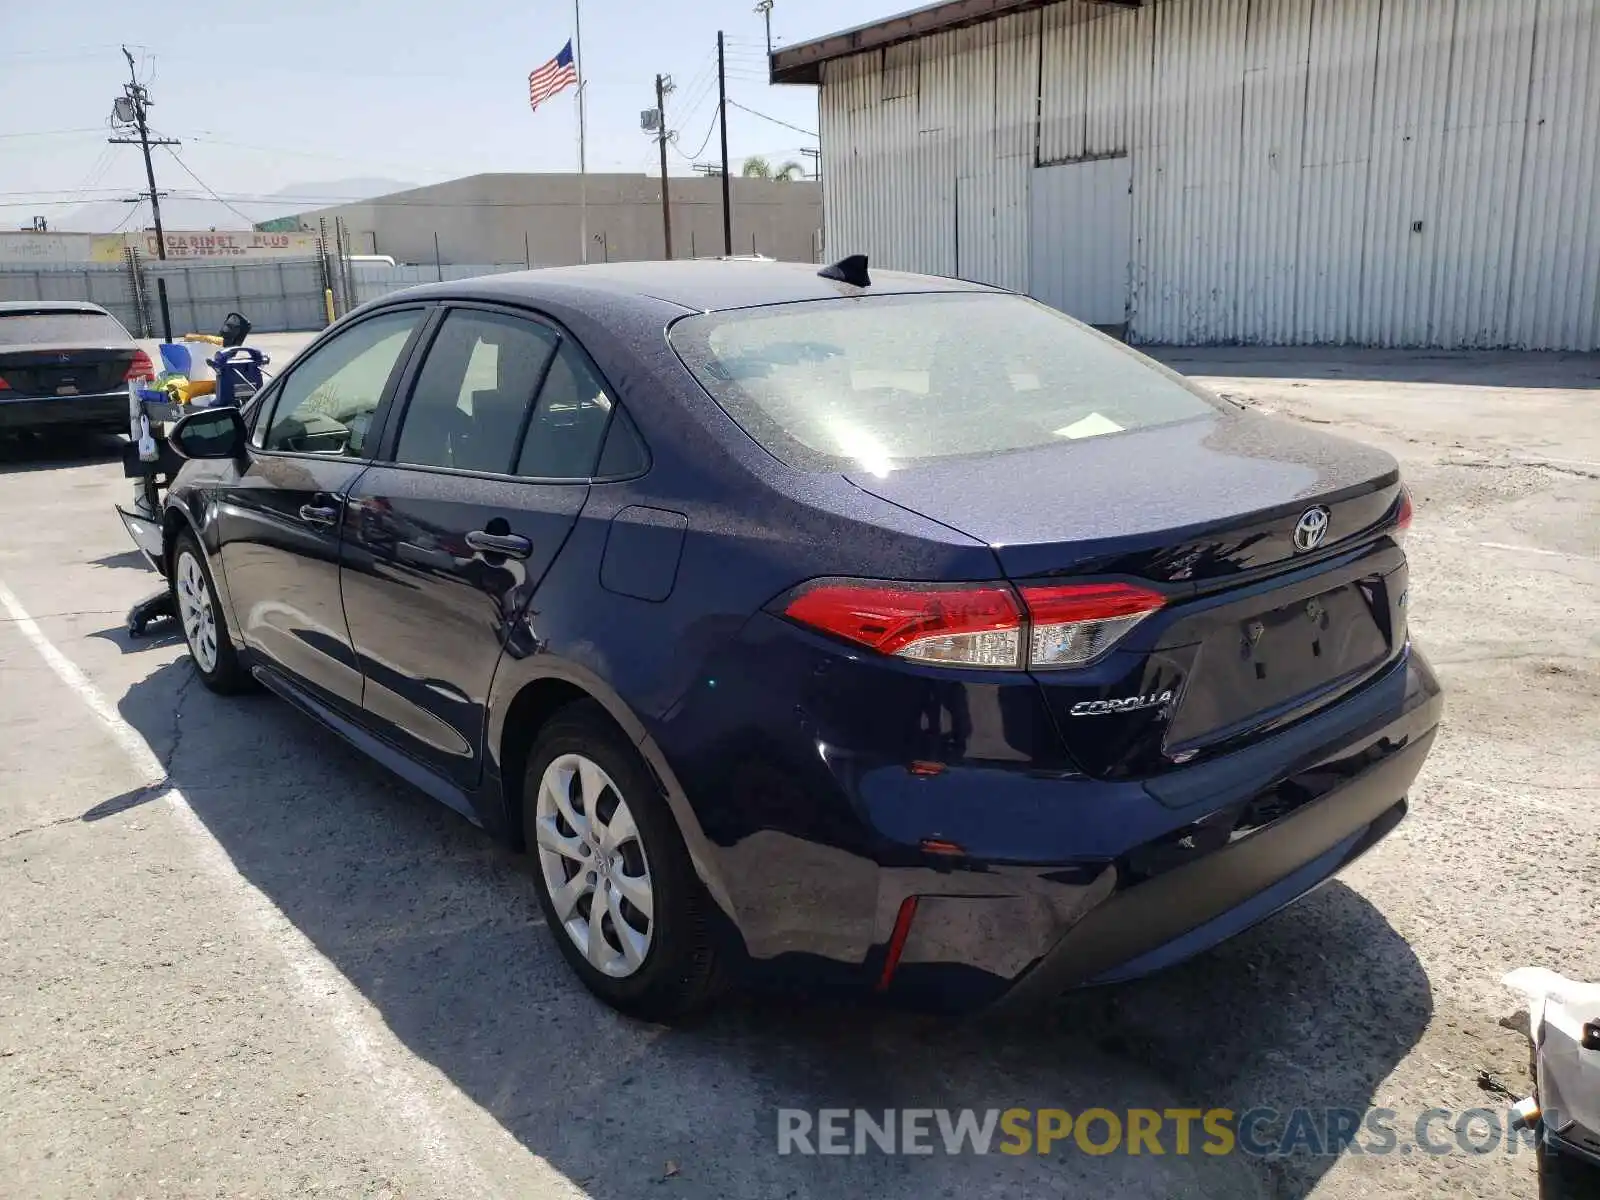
<point>757,167</point>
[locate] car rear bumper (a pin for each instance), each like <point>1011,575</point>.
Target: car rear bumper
<point>107,410</point>
<point>1027,882</point>
<point>1189,909</point>
<point>1135,926</point>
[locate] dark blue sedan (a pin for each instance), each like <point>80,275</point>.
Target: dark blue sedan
<point>878,631</point>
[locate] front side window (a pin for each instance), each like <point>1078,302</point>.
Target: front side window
<point>881,382</point>
<point>326,404</point>
<point>473,392</point>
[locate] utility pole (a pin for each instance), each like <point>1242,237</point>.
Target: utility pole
<point>663,86</point>
<point>130,108</point>
<point>764,7</point>
<point>722,120</point>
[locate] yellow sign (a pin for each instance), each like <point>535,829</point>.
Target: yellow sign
<point>211,245</point>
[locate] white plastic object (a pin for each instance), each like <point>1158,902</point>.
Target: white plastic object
<point>147,444</point>
<point>135,409</point>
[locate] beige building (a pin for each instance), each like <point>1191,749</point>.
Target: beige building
<point>485,219</point>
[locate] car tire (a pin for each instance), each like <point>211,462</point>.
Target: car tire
<point>200,616</point>
<point>659,963</point>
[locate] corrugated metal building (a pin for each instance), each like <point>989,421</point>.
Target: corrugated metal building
<point>1383,172</point>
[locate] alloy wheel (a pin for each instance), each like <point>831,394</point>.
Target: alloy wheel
<point>593,865</point>
<point>194,608</point>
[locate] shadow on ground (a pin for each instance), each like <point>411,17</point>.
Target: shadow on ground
<point>1468,368</point>
<point>440,930</point>
<point>124,558</point>
<point>51,451</point>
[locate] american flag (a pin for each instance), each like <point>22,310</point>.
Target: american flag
<point>558,73</point>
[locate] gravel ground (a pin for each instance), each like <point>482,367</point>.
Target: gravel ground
<point>296,976</point>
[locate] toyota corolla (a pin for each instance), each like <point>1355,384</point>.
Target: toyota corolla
<point>853,628</point>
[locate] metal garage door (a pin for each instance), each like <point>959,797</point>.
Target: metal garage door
<point>1082,239</point>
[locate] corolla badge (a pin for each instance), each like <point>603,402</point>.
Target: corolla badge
<point>1311,528</point>
<point>1103,708</point>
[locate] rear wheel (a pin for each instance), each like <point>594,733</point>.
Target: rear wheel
<point>612,873</point>
<point>204,626</point>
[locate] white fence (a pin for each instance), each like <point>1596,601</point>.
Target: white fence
<point>278,295</point>
<point>379,279</point>
<point>109,285</point>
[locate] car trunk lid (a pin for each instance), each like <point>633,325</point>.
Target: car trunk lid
<point>1258,629</point>
<point>64,370</point>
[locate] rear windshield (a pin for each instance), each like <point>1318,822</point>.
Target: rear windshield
<point>880,382</point>
<point>61,328</point>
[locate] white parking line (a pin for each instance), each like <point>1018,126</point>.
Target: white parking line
<point>408,1098</point>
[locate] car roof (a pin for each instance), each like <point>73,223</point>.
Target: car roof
<point>49,306</point>
<point>696,285</point>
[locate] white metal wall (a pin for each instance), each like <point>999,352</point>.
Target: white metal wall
<point>1390,172</point>
<point>1083,238</point>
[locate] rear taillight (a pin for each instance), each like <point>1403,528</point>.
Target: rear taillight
<point>1402,517</point>
<point>3,384</point>
<point>961,624</point>
<point>975,624</point>
<point>140,368</point>
<point>1077,623</point>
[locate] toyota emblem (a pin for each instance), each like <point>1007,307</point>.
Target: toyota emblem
<point>1311,528</point>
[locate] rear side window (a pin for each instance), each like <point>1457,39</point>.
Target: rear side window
<point>879,382</point>
<point>623,454</point>
<point>569,423</point>
<point>61,329</point>
<point>473,392</point>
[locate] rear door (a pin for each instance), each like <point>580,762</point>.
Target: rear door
<point>279,518</point>
<point>485,473</point>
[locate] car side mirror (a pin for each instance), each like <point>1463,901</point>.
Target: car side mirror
<point>235,328</point>
<point>210,433</point>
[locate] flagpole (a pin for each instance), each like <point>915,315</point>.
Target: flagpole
<point>583,129</point>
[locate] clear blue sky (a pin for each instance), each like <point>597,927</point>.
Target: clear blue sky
<point>320,90</point>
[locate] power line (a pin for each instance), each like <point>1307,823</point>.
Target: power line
<point>702,77</point>
<point>77,52</point>
<point>95,174</point>
<point>132,208</point>
<point>704,142</point>
<point>698,90</point>
<point>44,196</point>
<point>39,133</point>
<point>206,136</point>
<point>190,173</point>
<point>774,120</point>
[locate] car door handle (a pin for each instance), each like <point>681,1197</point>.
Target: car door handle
<point>510,545</point>
<point>313,514</point>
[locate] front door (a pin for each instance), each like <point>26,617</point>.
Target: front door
<point>280,518</point>
<point>447,540</point>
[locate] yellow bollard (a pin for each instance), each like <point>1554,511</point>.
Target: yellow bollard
<point>327,299</point>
